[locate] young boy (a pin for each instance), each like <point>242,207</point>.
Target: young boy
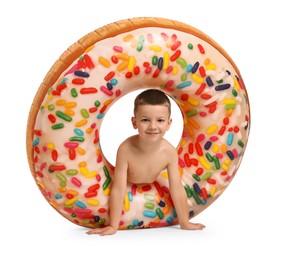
<point>141,158</point>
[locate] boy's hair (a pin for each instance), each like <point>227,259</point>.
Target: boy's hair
<point>152,97</point>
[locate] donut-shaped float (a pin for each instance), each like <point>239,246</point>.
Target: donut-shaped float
<point>63,144</point>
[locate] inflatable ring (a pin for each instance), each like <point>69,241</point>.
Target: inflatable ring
<point>63,145</point>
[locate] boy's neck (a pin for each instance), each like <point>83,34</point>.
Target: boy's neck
<point>148,146</point>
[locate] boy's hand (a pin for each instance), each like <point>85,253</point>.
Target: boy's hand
<point>108,230</point>
<point>192,226</point>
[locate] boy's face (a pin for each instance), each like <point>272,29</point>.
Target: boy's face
<point>152,121</point>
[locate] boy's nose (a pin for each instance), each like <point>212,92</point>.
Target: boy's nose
<point>152,125</point>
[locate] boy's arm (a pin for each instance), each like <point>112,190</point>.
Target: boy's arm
<point>117,194</point>
<point>118,188</point>
<point>178,194</point>
<point>177,190</point>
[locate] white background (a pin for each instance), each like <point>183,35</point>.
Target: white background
<point>244,223</point>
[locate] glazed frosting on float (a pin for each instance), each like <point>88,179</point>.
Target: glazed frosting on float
<point>70,168</point>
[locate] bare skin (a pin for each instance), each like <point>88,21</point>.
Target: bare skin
<point>149,146</point>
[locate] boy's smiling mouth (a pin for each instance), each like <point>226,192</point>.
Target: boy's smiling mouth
<point>152,133</point>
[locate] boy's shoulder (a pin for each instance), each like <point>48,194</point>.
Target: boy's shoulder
<point>170,150</point>
<point>128,143</point>
<point>168,146</point>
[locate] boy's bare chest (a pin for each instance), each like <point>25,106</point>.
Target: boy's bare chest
<point>146,169</point>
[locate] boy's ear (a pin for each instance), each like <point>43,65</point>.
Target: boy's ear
<point>169,123</point>
<point>134,123</point>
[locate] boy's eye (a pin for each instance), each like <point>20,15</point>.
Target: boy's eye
<point>161,120</point>
<point>144,120</point>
